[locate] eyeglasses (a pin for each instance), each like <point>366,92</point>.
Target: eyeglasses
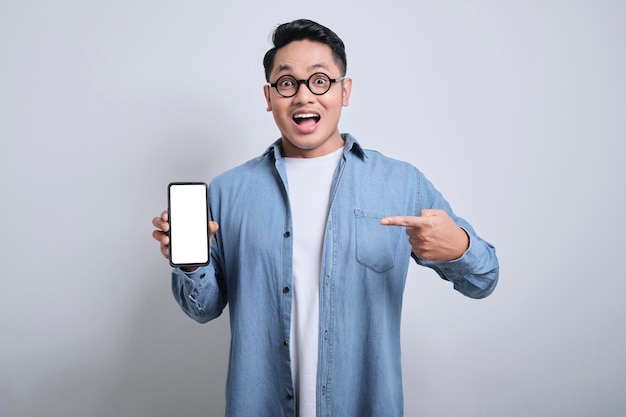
<point>318,83</point>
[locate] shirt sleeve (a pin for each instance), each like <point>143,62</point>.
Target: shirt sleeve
<point>199,293</point>
<point>475,273</point>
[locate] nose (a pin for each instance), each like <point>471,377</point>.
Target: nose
<point>303,94</point>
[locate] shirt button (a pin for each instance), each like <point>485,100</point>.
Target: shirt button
<point>285,343</point>
<point>286,290</point>
<point>289,397</point>
<point>287,234</point>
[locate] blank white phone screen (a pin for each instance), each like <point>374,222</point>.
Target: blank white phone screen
<point>189,223</point>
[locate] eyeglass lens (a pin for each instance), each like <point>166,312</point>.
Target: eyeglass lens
<point>319,83</point>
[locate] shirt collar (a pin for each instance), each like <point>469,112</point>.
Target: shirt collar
<point>351,145</point>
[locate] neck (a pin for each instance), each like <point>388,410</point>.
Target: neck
<point>330,145</point>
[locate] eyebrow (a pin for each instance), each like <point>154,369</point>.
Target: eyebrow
<point>286,67</point>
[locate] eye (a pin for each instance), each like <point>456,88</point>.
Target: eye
<point>320,80</point>
<point>286,82</point>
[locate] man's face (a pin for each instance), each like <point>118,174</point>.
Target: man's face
<point>308,122</point>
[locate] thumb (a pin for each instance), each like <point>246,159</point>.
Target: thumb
<point>213,227</point>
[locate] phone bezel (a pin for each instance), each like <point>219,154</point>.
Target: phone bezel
<point>169,213</point>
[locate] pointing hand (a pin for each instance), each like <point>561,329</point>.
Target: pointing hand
<point>433,235</point>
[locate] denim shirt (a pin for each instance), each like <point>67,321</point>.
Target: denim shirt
<point>364,267</point>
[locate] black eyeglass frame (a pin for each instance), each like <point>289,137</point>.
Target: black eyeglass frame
<point>331,81</point>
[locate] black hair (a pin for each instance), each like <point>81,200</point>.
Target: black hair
<point>302,29</point>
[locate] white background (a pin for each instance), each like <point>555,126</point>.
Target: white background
<point>516,110</point>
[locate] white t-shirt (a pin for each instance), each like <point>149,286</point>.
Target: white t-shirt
<point>309,181</point>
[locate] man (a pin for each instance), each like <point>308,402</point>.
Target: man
<point>309,256</point>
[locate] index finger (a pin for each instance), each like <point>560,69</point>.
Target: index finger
<point>407,221</point>
<point>161,223</point>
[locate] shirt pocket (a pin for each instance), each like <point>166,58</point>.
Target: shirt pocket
<point>375,244</point>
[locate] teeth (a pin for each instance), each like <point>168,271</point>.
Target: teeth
<point>304,116</point>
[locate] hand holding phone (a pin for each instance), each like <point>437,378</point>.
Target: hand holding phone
<point>188,214</point>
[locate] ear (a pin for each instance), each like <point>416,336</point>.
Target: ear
<point>266,92</point>
<point>347,89</point>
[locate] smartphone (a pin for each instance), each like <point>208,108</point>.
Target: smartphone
<point>188,211</point>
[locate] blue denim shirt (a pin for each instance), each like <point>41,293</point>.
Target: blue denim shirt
<point>364,267</point>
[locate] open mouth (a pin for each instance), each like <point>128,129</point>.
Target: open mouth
<point>306,118</point>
